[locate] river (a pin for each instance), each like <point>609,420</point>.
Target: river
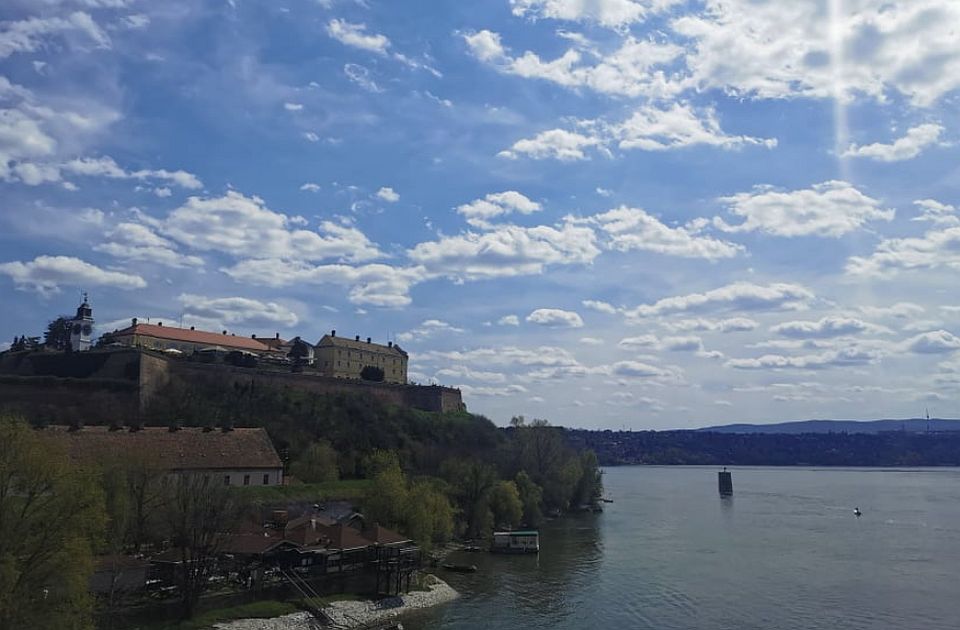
<point>786,551</point>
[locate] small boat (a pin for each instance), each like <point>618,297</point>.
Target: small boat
<point>460,568</point>
<point>473,549</point>
<point>857,512</point>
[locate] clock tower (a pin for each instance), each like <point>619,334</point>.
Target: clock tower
<point>81,327</point>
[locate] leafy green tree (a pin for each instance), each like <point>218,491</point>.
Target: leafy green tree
<point>318,463</point>
<point>378,461</point>
<point>428,515</point>
<point>386,498</point>
<point>57,334</point>
<point>505,504</point>
<point>299,351</point>
<point>471,482</point>
<point>372,373</point>
<point>530,498</point>
<point>590,486</point>
<point>51,513</point>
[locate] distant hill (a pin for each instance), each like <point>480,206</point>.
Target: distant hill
<point>910,425</point>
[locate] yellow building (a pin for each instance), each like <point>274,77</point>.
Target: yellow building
<point>346,358</point>
<point>160,337</point>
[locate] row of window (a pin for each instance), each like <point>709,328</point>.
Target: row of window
<point>246,479</point>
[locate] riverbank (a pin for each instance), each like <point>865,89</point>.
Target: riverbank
<point>356,614</point>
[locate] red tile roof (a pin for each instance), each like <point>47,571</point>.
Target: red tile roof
<point>187,449</point>
<point>202,337</point>
<point>383,536</point>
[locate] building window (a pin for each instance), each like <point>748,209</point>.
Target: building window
<point>266,479</point>
<point>226,480</point>
<point>246,480</point>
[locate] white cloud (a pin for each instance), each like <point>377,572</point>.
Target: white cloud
<point>134,241</point>
<point>46,274</point>
<point>388,194</point>
<point>636,369</point>
<point>633,229</point>
<point>373,284</point>
<point>743,296</point>
<point>310,187</point>
<point>842,357</point>
<point>900,310</point>
<point>509,320</point>
<point>557,144</point>
<point>355,35</point>
<point>678,126</point>
<point>600,307</point>
<point>830,209</point>
<point>541,356</point>
<point>293,107</point>
<point>506,250</point>
<point>555,318</point>
<point>462,371</point>
<point>641,341</point>
<point>28,35</point>
<point>480,211</point>
<point>733,324</point>
<point>361,76</point>
<point>634,69</point>
<point>682,344</point>
<point>905,148</point>
<point>591,341</point>
<point>825,328</point>
<point>311,136</point>
<point>245,226</point>
<point>609,13</point>
<point>429,328</point>
<point>237,310</point>
<point>937,213</point>
<point>509,390</point>
<point>935,249</point>
<point>934,342</point>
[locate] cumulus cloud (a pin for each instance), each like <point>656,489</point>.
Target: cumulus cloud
<point>825,328</point>
<point>841,357</point>
<point>557,144</point>
<point>134,241</point>
<point>237,310</point>
<point>636,369</point>
<point>609,13</point>
<point>591,341</point>
<point>310,187</point>
<point>933,342</point>
<point>830,209</point>
<point>429,328</point>
<point>47,274</point>
<point>509,320</point>
<point>541,356</point>
<point>29,34</point>
<point>600,307</point>
<point>633,229</point>
<point>933,211</point>
<point>555,318</point>
<point>905,148</point>
<point>732,324</point>
<point>935,249</point>
<point>359,75</point>
<point>506,250</point>
<point>244,226</point>
<point>479,212</point>
<point>741,296</point>
<point>356,36</point>
<point>640,341</point>
<point>388,194</point>
<point>481,376</point>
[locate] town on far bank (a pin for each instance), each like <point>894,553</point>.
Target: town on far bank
<point>211,476</point>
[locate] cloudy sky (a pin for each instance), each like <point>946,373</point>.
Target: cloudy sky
<point>607,213</point>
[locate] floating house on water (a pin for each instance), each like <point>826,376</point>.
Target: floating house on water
<point>527,541</point>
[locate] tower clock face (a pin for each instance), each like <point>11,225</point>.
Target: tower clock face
<point>87,329</point>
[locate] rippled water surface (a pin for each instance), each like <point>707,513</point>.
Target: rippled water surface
<point>785,552</point>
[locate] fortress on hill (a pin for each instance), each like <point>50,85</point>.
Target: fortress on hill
<point>124,376</point>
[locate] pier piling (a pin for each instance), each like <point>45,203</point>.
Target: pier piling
<point>725,480</point>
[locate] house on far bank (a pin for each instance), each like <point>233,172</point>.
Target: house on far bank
<point>185,340</point>
<point>346,358</point>
<point>238,457</point>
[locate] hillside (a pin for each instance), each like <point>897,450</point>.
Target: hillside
<point>910,425</point>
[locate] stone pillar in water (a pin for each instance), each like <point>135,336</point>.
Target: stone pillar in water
<point>725,480</point>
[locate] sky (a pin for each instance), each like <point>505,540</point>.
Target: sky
<point>641,214</point>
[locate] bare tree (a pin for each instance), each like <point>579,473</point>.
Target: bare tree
<point>199,514</point>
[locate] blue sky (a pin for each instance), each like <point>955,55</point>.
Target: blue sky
<point>606,213</point>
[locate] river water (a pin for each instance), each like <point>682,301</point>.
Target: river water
<point>786,551</point>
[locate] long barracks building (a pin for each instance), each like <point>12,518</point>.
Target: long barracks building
<point>345,358</point>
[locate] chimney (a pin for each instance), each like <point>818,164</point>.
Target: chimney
<point>192,328</point>
<point>277,336</point>
<point>333,333</point>
<point>368,339</point>
<point>357,338</point>
<point>224,332</point>
<point>253,336</point>
<point>159,323</point>
<point>134,321</point>
<point>389,344</point>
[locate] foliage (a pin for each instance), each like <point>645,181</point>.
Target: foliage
<point>198,512</point>
<point>471,482</point>
<point>57,334</point>
<point>317,464</point>
<point>387,497</point>
<point>372,373</point>
<point>265,609</point>
<point>342,490</point>
<point>428,515</point>
<point>531,497</point>
<point>51,512</point>
<point>505,504</point>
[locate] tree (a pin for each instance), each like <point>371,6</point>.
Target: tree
<point>372,373</point>
<point>590,486</point>
<point>530,497</point>
<point>318,463</point>
<point>471,482</point>
<point>505,505</point>
<point>299,351</point>
<point>199,513</point>
<point>51,513</point>
<point>386,499</point>
<point>57,335</point>
<point>428,515</point>
<point>379,461</point>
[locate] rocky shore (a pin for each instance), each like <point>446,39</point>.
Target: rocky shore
<point>355,614</point>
